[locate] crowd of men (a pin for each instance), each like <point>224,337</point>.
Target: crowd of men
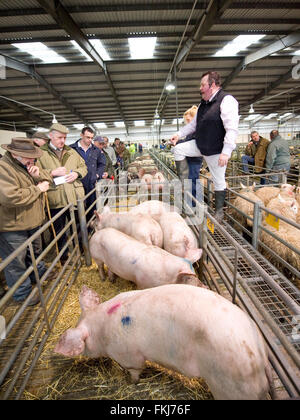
<point>45,164</point>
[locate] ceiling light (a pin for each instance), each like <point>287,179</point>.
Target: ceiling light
<point>141,48</point>
<point>170,87</point>
<point>139,123</point>
<point>251,110</point>
<point>40,51</point>
<point>41,129</point>
<point>54,120</point>
<point>119,124</point>
<point>239,43</point>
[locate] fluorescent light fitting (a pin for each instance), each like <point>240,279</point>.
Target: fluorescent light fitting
<point>170,87</point>
<point>100,125</point>
<point>297,52</point>
<point>141,48</point>
<point>139,123</point>
<point>41,129</point>
<point>287,114</point>
<point>241,42</point>
<point>97,44</point>
<point>119,124</point>
<point>40,51</point>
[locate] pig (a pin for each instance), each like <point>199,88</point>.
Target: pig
<point>179,239</point>
<point>140,226</point>
<point>145,265</point>
<point>191,330</point>
<point>154,208</point>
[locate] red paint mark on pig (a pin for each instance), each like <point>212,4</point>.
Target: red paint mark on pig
<point>113,308</point>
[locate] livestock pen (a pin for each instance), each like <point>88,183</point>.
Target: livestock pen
<point>230,266</point>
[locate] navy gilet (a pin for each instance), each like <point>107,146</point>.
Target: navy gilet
<point>210,131</point>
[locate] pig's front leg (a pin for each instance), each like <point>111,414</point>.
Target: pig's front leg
<point>135,375</point>
<point>111,276</point>
<point>101,271</point>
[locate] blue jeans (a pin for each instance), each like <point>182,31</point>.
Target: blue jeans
<point>274,179</point>
<point>245,161</point>
<point>194,170</point>
<point>9,242</point>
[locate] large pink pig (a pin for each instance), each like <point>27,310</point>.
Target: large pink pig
<point>188,329</point>
<point>144,265</point>
<point>179,239</point>
<point>140,226</point>
<point>154,208</point>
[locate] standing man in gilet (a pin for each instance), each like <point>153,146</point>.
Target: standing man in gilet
<point>216,129</point>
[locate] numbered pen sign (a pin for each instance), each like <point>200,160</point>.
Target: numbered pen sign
<point>272,221</point>
<point>210,225</point>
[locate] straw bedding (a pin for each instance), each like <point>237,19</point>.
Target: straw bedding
<point>58,377</point>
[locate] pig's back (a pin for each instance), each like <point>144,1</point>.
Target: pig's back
<point>194,330</point>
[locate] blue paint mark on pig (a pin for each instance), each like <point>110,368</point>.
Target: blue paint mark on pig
<point>126,320</point>
<point>134,261</point>
<point>189,263</point>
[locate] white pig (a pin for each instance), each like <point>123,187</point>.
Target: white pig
<point>144,265</point>
<point>179,239</point>
<point>140,226</point>
<point>153,207</point>
<point>191,330</point>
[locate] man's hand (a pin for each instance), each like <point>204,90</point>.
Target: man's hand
<point>33,171</point>
<point>174,139</point>
<point>71,177</point>
<point>223,159</point>
<point>43,186</point>
<point>61,171</point>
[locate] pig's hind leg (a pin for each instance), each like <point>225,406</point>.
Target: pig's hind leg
<point>111,276</point>
<point>101,270</point>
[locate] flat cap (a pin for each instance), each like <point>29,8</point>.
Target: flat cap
<point>99,139</point>
<point>40,135</point>
<point>59,127</point>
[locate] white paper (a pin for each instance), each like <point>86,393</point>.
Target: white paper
<point>60,180</point>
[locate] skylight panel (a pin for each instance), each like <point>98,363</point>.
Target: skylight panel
<point>180,121</point>
<point>270,116</point>
<point>78,126</point>
<point>252,117</point>
<point>81,50</point>
<point>40,51</point>
<point>100,125</point>
<point>119,124</point>
<point>239,43</point>
<point>139,123</point>
<point>97,44</point>
<point>142,48</point>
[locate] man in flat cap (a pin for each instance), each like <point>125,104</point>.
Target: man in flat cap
<point>22,185</point>
<point>60,160</point>
<point>40,138</point>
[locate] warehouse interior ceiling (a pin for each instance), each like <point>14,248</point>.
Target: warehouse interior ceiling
<point>50,59</point>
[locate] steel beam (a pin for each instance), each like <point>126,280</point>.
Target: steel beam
<point>28,115</point>
<point>65,21</point>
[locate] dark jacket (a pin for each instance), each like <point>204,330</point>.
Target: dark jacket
<point>95,162</point>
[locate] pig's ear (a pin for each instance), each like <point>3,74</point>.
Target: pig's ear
<point>193,254</point>
<point>98,216</point>
<point>88,299</point>
<point>187,278</point>
<point>72,342</point>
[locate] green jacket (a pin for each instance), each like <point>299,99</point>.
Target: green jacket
<point>108,165</point>
<point>61,195</point>
<point>278,153</point>
<point>259,152</point>
<point>21,201</point>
